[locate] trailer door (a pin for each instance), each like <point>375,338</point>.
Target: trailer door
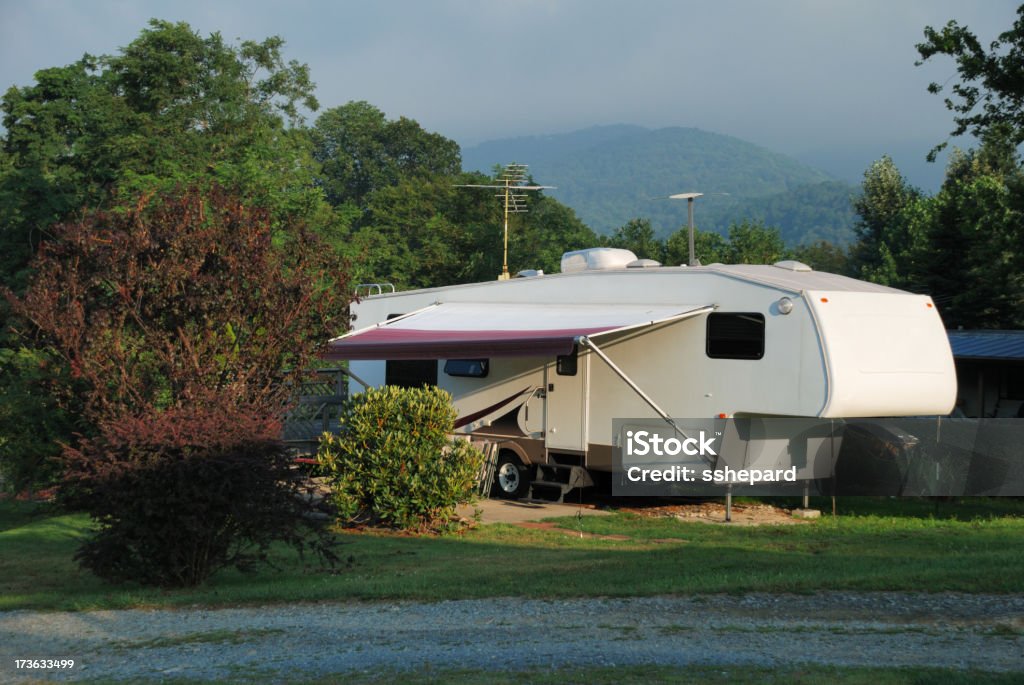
<point>565,406</point>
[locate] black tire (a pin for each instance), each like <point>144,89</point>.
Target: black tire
<point>511,477</point>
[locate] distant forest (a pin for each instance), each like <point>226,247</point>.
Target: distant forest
<point>611,174</point>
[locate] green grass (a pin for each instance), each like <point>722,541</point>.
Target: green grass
<point>972,546</point>
<point>657,675</point>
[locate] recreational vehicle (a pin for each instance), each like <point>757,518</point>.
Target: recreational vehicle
<point>543,364</point>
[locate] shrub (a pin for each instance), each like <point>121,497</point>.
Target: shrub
<point>37,411</point>
<point>182,297</point>
<point>184,322</point>
<point>393,461</point>
<point>180,494</point>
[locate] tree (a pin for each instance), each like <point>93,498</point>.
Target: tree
<point>754,243</point>
<point>426,232</point>
<point>189,329</point>
<point>974,265</point>
<point>361,151</point>
<point>182,297</point>
<point>823,256</point>
<point>38,408</point>
<point>637,235</point>
<point>890,229</point>
<point>962,245</point>
<point>542,236</point>
<point>989,99</point>
<point>709,247</point>
<point>172,108</point>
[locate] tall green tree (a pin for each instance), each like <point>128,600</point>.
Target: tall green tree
<point>989,97</point>
<point>974,262</point>
<point>751,242</point>
<point>962,245</point>
<point>890,227</point>
<point>637,235</point>
<point>172,108</point>
<point>709,247</point>
<point>361,151</point>
<point>822,255</point>
<point>426,232</point>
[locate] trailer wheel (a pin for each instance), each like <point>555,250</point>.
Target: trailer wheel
<point>511,477</point>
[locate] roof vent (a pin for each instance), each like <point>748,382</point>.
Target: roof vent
<point>596,259</point>
<point>643,264</point>
<point>530,273</point>
<point>792,265</point>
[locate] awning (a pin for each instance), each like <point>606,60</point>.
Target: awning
<point>460,330</point>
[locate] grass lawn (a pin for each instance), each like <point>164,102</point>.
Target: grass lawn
<point>874,544</point>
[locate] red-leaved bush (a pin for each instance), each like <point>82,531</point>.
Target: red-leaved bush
<point>181,493</point>
<point>182,300</point>
<point>187,320</point>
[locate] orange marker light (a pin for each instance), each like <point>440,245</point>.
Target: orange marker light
<point>824,299</point>
<point>929,305</point>
<point>723,416</point>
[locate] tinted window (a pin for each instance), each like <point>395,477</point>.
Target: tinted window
<point>565,364</point>
<point>411,373</point>
<point>469,368</point>
<point>735,336</point>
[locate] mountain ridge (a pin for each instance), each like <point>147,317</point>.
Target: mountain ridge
<point>611,174</point>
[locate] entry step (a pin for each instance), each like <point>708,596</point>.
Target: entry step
<point>555,480</point>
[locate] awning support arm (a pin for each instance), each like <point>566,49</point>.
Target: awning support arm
<point>589,344</point>
<point>357,379</point>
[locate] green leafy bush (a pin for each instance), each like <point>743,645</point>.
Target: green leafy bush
<point>393,461</point>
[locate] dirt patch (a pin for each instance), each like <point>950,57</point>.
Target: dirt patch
<point>714,512</point>
<point>537,525</point>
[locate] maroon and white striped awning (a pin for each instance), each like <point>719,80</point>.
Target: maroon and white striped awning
<point>461,330</point>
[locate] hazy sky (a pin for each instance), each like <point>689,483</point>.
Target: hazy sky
<point>830,82</point>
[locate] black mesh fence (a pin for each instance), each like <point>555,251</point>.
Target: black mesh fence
<point>927,456</point>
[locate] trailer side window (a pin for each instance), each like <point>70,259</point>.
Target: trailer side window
<point>735,335</point>
<point>410,373</point>
<point>467,368</point>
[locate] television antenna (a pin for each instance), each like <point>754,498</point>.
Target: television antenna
<point>511,184</point>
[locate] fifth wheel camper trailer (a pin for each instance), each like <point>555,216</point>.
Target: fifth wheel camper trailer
<point>543,364</point>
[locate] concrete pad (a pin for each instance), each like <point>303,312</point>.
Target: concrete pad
<point>512,511</point>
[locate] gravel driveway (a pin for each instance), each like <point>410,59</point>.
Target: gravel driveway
<point>878,629</point>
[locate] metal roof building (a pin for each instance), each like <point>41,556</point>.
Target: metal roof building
<point>987,344</point>
<point>990,372</point>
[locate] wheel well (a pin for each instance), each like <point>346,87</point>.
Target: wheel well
<point>517,451</point>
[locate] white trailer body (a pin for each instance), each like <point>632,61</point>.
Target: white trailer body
<point>696,342</point>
